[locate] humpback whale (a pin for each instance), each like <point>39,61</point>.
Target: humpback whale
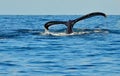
<point>71,23</point>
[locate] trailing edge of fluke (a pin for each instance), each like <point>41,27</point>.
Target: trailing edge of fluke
<point>71,23</point>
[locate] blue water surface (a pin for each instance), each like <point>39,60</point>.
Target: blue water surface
<point>92,50</point>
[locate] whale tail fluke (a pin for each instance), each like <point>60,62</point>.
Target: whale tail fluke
<point>53,23</point>
<point>89,15</point>
<point>71,23</point>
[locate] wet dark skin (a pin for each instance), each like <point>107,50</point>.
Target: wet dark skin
<point>69,24</point>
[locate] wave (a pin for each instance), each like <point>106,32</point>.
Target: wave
<point>42,32</point>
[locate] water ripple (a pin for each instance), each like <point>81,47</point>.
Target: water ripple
<point>26,50</point>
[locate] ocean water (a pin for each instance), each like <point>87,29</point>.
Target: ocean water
<point>27,50</point>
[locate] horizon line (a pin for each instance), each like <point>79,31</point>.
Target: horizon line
<point>54,14</point>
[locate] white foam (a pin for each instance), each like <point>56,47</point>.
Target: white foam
<point>63,33</point>
<point>47,32</point>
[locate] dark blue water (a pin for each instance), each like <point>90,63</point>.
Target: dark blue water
<point>92,50</point>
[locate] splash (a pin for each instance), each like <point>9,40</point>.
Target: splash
<point>79,32</point>
<point>47,32</point>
